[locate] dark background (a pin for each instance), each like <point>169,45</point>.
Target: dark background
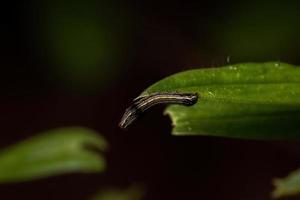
<point>67,63</point>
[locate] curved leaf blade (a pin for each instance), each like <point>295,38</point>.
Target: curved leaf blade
<point>54,152</point>
<point>251,100</point>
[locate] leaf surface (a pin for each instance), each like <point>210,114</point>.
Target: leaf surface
<point>54,152</point>
<point>133,192</point>
<point>250,100</point>
<point>288,186</point>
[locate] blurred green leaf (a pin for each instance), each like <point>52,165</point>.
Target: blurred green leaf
<point>54,152</point>
<point>134,192</point>
<point>85,42</point>
<point>257,30</point>
<point>288,186</point>
<point>252,100</point>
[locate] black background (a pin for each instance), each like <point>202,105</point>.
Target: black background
<point>169,167</point>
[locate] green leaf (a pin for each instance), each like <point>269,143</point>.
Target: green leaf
<point>250,100</point>
<point>51,153</point>
<point>133,192</point>
<point>288,186</point>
